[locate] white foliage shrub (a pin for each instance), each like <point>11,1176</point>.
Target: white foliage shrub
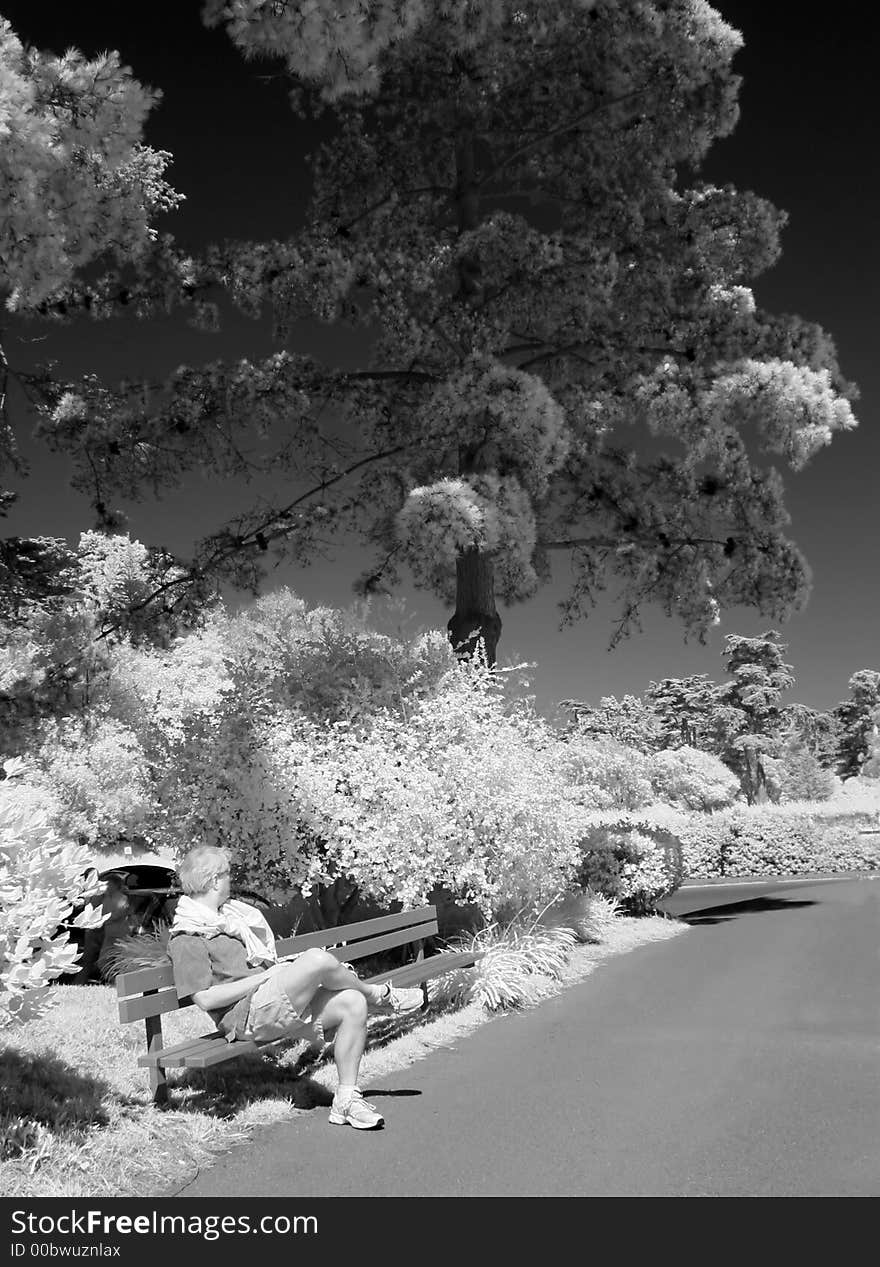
<point>645,878</point>
<point>100,778</point>
<point>603,773</point>
<point>692,779</point>
<point>461,792</point>
<point>635,856</point>
<point>42,878</point>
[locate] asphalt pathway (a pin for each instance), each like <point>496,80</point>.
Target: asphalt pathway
<point>739,1059</point>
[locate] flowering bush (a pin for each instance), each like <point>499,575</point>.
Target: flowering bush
<point>692,779</point>
<point>42,878</point>
<point>461,793</point>
<point>324,754</point>
<point>226,717</point>
<point>603,773</point>
<point>330,663</point>
<point>633,857</point>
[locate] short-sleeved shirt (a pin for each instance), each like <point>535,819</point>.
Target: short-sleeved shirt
<point>200,962</point>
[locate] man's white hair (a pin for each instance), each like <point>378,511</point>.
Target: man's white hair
<point>200,866</point>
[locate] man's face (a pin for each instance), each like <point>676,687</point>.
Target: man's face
<point>221,879</point>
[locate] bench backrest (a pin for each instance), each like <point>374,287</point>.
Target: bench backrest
<point>150,992</point>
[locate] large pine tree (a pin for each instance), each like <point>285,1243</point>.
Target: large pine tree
<point>509,207</point>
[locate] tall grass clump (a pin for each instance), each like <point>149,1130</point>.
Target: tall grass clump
<point>519,958</point>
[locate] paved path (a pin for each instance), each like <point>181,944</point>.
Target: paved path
<point>741,1058</point>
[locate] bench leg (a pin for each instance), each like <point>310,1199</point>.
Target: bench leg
<point>158,1078</point>
<point>420,954</point>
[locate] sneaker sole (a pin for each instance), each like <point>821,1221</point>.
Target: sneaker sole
<point>338,1119</point>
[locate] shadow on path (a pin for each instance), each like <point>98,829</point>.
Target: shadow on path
<point>732,910</point>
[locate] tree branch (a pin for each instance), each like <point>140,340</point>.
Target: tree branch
<point>571,126</point>
<point>629,539</point>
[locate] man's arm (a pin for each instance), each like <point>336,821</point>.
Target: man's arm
<point>194,976</point>
<point>225,993</point>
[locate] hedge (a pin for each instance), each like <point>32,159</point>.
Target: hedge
<point>779,840</point>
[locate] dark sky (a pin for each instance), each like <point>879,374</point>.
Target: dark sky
<point>806,140</point>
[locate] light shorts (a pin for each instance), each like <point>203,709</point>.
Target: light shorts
<point>271,1014</point>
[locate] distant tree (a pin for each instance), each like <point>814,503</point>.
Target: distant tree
<point>628,720</point>
<point>871,766</point>
<point>799,773</point>
<point>818,731</point>
<point>685,708</point>
<point>748,716</point>
<point>855,718</point>
<point>498,209</point>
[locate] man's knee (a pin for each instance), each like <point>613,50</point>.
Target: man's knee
<point>317,960</point>
<point>305,971</point>
<point>353,1005</point>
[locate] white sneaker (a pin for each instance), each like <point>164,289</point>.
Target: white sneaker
<point>399,1001</point>
<point>357,1113</point>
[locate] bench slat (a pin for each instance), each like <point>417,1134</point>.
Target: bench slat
<point>433,966</point>
<point>179,1061</point>
<point>224,1051</point>
<point>138,1009</point>
<point>151,1058</point>
<point>214,1056</point>
<point>144,979</point>
<point>373,945</point>
<point>350,932</point>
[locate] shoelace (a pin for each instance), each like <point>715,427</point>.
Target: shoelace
<point>359,1096</point>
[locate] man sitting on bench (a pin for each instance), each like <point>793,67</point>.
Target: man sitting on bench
<point>223,955</point>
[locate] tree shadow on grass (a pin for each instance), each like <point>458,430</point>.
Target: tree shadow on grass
<point>732,910</point>
<point>41,1088</point>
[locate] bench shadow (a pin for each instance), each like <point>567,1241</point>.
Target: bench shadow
<point>41,1088</point>
<point>283,1071</point>
<point>223,1091</point>
<point>377,1093</point>
<point>732,910</point>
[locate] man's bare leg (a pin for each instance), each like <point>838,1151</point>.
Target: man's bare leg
<point>317,969</point>
<point>344,1011</point>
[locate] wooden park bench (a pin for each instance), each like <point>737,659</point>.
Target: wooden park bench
<point>146,994</point>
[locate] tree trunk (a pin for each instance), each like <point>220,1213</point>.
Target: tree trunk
<point>755,779</point>
<point>475,612</point>
<point>329,904</point>
<point>475,615</point>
